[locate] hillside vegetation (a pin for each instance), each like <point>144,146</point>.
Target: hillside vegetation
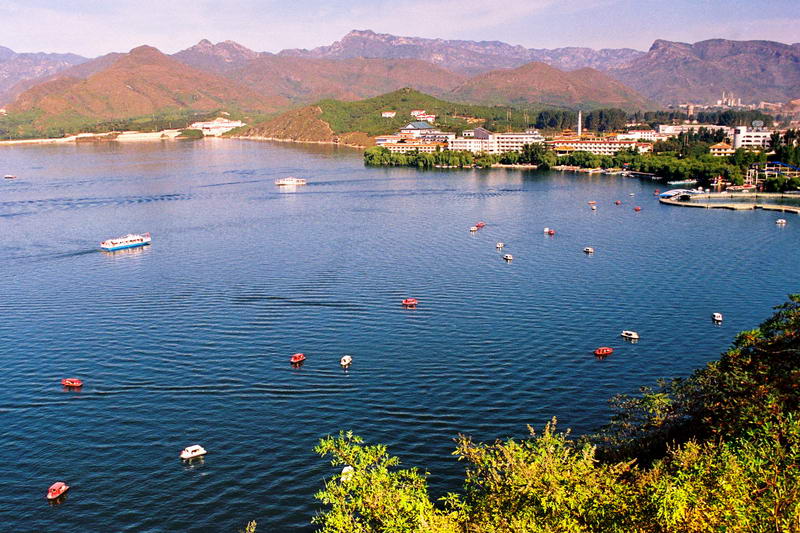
<point>718,451</point>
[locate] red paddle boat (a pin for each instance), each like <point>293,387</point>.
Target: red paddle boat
<point>56,490</point>
<point>603,351</point>
<point>637,208</point>
<point>297,358</point>
<point>617,203</point>
<point>410,302</point>
<point>551,232</point>
<point>72,382</point>
<point>479,225</point>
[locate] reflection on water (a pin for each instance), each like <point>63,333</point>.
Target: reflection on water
<point>189,342</point>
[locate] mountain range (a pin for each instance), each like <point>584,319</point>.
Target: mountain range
<point>364,64</point>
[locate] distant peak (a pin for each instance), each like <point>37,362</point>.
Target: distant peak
<point>145,50</point>
<point>204,42</point>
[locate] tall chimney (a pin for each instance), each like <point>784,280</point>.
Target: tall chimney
<point>580,123</point>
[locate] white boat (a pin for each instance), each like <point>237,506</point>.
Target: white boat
<point>473,228</point>
<point>781,222</point>
<point>594,208</point>
<point>130,240</point>
<point>508,257</point>
<point>547,230</point>
<point>190,452</point>
<point>588,250</point>
<point>346,360</point>
<point>290,181</point>
<point>9,176</point>
<point>500,245</point>
<point>717,317</point>
<point>632,335</point>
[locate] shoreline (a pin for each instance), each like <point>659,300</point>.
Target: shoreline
<point>282,140</point>
<point>737,206</point>
<point>124,136</point>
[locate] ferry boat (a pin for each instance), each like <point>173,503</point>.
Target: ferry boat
<point>588,250</point>
<point>290,181</point>
<point>682,182</point>
<point>630,335</point>
<point>130,240</point>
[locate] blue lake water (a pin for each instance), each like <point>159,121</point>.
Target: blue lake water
<point>188,341</point>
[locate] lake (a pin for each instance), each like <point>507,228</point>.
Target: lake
<point>188,340</point>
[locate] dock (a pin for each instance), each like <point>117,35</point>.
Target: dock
<point>736,206</point>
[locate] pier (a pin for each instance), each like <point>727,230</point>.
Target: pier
<point>737,206</point>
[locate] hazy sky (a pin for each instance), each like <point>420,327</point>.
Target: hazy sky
<point>95,27</point>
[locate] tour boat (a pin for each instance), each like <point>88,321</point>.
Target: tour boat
<point>480,225</point>
<point>297,358</point>
<point>637,208</point>
<point>632,335</point>
<point>190,452</point>
<point>500,245</point>
<point>72,382</point>
<point>508,257</point>
<point>617,203</point>
<point>128,241</point>
<point>56,490</point>
<point>588,250</point>
<point>717,317</point>
<point>409,302</point>
<point>290,181</point>
<point>473,228</point>
<point>10,176</point>
<point>603,351</point>
<point>346,360</point>
<point>781,222</point>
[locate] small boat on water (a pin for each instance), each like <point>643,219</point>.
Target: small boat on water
<point>290,181</point>
<point>190,452</point>
<point>656,192</point>
<point>594,208</point>
<point>631,194</point>
<point>480,225</point>
<point>588,250</point>
<point>72,382</point>
<point>346,360</point>
<point>500,245</point>
<point>716,317</point>
<point>547,230</point>
<point>131,240</point>
<point>56,490</point>
<point>508,257</point>
<point>10,177</point>
<point>617,203</point>
<point>473,229</point>
<point>592,202</point>
<point>637,208</point>
<point>410,302</point>
<point>781,222</point>
<point>603,351</point>
<point>551,232</point>
<point>297,358</point>
<point>682,182</point>
<point>631,335</point>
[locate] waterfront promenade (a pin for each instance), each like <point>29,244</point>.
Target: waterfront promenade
<point>735,205</point>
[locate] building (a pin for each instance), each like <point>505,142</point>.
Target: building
<point>750,139</point>
<point>721,149</point>
<point>674,130</point>
<point>642,135</point>
<point>388,114</point>
<point>216,127</point>
<point>597,146</point>
<point>483,140</point>
<point>417,128</point>
<point>427,118</point>
<point>414,146</point>
<point>417,112</point>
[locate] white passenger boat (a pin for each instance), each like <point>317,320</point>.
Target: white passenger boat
<point>717,317</point>
<point>508,257</point>
<point>631,335</point>
<point>128,241</point>
<point>190,452</point>
<point>588,250</point>
<point>290,181</point>
<point>9,176</point>
<point>500,245</point>
<point>473,229</point>
<point>346,360</point>
<point>781,222</point>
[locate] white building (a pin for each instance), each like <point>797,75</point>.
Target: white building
<point>417,112</point>
<point>483,140</point>
<point>597,146</point>
<point>216,127</point>
<point>418,128</point>
<point>676,129</point>
<point>750,140</point>
<point>388,114</point>
<point>430,119</point>
<point>414,146</point>
<point>643,135</point>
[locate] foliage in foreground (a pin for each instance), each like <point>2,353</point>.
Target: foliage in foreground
<point>718,451</point>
